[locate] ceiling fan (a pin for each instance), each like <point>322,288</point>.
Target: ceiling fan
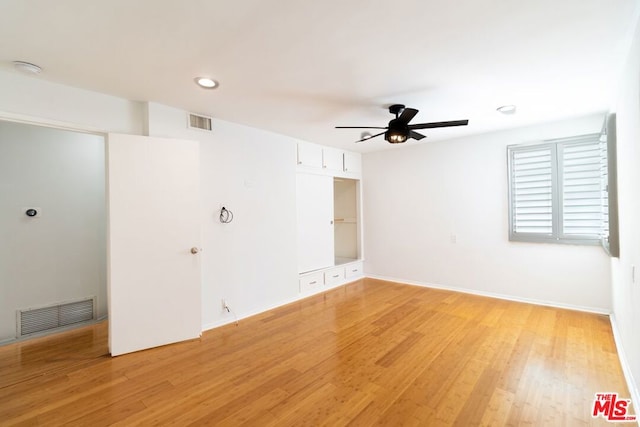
<point>399,130</point>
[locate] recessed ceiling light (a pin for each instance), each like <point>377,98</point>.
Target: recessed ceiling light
<point>27,67</point>
<point>206,82</point>
<point>507,109</point>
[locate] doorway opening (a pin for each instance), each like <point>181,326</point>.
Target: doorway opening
<point>52,226</point>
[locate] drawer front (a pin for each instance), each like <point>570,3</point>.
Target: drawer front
<point>334,276</point>
<point>354,270</point>
<point>311,282</point>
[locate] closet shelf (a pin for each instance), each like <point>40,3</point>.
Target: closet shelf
<point>344,220</point>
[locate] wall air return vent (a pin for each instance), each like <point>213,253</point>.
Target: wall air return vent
<point>199,122</point>
<point>43,319</point>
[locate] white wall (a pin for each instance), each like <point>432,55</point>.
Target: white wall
<point>59,256</point>
<point>250,262</point>
<point>419,199</point>
<point>35,99</point>
<point>626,291</point>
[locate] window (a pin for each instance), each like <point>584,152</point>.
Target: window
<point>558,191</point>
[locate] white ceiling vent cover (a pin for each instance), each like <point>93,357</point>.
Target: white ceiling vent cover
<point>34,320</point>
<point>199,122</point>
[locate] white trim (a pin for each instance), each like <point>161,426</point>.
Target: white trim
<point>626,368</point>
<point>554,304</point>
<point>56,124</point>
<point>226,321</point>
<point>51,332</point>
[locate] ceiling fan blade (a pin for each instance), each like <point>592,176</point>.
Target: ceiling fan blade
<point>407,115</point>
<point>360,127</point>
<point>439,124</point>
<point>370,137</point>
<point>416,135</point>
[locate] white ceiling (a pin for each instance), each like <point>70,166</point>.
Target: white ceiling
<point>301,67</point>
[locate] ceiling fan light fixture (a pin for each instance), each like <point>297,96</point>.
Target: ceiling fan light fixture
<point>395,137</point>
<point>398,132</point>
<point>206,82</point>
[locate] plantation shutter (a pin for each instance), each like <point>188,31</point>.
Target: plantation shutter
<point>531,189</point>
<point>604,189</point>
<point>581,189</point>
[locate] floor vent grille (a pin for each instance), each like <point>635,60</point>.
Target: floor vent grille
<point>35,320</point>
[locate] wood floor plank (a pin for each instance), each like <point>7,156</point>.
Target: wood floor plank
<point>369,353</point>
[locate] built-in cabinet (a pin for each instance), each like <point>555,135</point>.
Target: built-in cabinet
<point>315,158</point>
<point>332,159</point>
<point>352,163</point>
<point>310,155</point>
<point>329,217</point>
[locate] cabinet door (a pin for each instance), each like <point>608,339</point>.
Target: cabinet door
<point>309,155</point>
<point>332,159</point>
<point>352,162</point>
<point>315,221</point>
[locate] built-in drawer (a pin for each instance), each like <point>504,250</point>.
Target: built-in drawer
<point>311,282</point>
<point>354,270</point>
<point>333,277</point>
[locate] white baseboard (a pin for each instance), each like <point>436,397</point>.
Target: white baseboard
<point>227,320</point>
<point>626,368</point>
<point>42,334</point>
<point>554,304</point>
<point>231,318</point>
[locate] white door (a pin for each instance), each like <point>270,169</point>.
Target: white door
<point>153,222</point>
<point>314,198</point>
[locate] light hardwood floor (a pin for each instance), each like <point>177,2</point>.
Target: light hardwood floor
<point>369,353</point>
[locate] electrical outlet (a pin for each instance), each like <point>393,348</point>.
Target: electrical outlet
<point>225,306</point>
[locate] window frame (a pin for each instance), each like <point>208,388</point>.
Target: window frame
<point>557,234</point>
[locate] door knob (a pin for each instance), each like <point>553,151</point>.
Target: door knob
<point>195,250</point>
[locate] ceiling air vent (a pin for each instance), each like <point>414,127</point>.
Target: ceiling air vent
<point>199,122</point>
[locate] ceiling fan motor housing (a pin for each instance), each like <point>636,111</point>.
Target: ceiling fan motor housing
<point>396,109</point>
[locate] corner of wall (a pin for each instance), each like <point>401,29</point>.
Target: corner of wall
<point>624,362</point>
